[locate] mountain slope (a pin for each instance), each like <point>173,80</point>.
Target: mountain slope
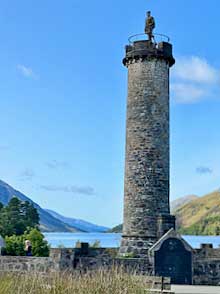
<point>195,215</point>
<point>200,216</point>
<point>175,204</point>
<point>116,229</point>
<point>48,223</point>
<point>78,223</point>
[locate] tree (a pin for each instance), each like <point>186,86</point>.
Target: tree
<point>6,225</point>
<point>31,215</point>
<point>17,216</point>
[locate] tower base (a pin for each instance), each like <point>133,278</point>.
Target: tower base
<point>138,246</point>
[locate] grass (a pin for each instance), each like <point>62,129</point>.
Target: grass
<point>113,281</point>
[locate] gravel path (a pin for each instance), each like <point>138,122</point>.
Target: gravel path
<point>195,289</point>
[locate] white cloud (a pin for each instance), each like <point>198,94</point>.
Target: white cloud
<point>187,93</point>
<point>26,71</point>
<point>193,79</point>
<point>196,69</point>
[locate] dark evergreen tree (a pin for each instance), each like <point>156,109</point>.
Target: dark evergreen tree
<point>17,216</point>
<point>31,215</point>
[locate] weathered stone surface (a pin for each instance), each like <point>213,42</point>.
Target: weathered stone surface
<point>206,265</point>
<point>23,264</point>
<point>146,187</point>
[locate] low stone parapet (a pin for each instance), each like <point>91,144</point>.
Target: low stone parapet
<point>24,264</point>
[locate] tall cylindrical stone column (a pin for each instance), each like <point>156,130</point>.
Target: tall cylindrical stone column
<point>146,188</point>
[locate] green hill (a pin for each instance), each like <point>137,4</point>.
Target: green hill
<point>200,216</point>
<point>175,204</point>
<point>195,215</point>
<point>116,229</point>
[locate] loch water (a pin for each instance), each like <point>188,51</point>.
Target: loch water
<point>69,240</point>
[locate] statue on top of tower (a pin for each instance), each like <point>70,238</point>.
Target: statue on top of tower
<point>149,26</point>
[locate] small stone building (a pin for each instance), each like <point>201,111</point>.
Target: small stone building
<point>171,256</point>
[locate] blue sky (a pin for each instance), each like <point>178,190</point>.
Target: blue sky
<point>63,100</point>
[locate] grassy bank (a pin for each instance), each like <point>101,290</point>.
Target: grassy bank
<point>101,282</point>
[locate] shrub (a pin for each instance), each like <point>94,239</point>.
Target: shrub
<point>95,244</point>
<point>14,245</point>
<point>40,246</point>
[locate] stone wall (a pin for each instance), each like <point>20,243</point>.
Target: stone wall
<point>62,258</point>
<point>70,259</point>
<point>59,259</point>
<point>30,264</point>
<point>206,265</point>
<point>138,266</point>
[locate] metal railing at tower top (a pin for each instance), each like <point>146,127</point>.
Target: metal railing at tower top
<point>140,37</point>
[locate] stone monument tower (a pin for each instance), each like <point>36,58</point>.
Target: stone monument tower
<point>146,189</point>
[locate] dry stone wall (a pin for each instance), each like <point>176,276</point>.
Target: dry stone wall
<point>206,263</point>
<point>27,264</point>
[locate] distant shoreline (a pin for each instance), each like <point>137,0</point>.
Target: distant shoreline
<point>112,240</point>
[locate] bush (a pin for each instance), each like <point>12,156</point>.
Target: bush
<point>40,246</point>
<point>95,244</point>
<point>15,244</point>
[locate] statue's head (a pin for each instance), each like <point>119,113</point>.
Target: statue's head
<point>148,13</point>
